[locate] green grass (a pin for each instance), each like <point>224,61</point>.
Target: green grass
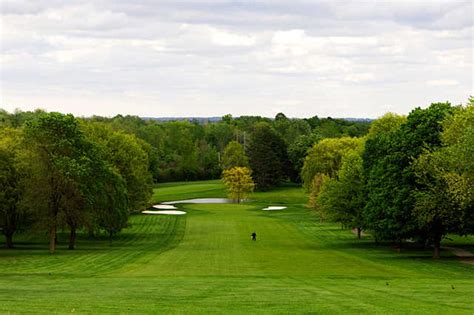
<point>205,262</point>
<point>188,190</point>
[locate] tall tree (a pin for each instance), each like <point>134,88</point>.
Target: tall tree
<point>110,209</point>
<point>342,198</point>
<point>444,199</point>
<point>126,154</point>
<point>11,213</point>
<point>267,156</point>
<point>62,165</point>
<point>390,178</point>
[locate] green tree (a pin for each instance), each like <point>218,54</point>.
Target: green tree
<point>318,181</point>
<point>267,157</point>
<point>297,152</point>
<point>126,154</point>
<point>238,182</point>
<point>56,183</point>
<point>390,178</point>
<point>445,176</point>
<point>111,205</point>
<point>325,157</point>
<point>11,213</point>
<point>385,124</point>
<point>234,155</point>
<point>342,198</point>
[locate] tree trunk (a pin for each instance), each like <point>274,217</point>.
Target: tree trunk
<point>72,238</point>
<point>52,239</point>
<point>359,230</point>
<point>9,240</point>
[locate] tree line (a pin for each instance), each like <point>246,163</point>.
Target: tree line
<point>89,174</point>
<point>410,179</point>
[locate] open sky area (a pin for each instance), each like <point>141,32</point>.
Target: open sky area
<point>210,58</point>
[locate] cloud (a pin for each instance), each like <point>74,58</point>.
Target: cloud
<point>181,58</point>
<point>442,82</point>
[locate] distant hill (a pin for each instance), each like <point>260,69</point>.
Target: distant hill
<point>203,120</point>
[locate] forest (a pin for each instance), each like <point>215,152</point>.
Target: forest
<point>400,178</point>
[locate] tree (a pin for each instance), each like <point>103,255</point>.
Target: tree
<point>234,155</point>
<point>444,199</point>
<point>297,152</point>
<point>219,134</point>
<point>111,205</point>
<point>267,156</point>
<point>325,157</point>
<point>390,178</point>
<point>11,213</point>
<point>318,181</point>
<point>342,198</point>
<point>126,154</point>
<point>238,182</point>
<point>385,124</point>
<point>57,180</point>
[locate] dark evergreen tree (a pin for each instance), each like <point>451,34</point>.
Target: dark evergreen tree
<point>267,156</point>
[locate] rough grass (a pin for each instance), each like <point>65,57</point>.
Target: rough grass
<point>205,262</point>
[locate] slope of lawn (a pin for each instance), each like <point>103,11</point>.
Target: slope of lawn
<point>189,190</point>
<point>205,262</point>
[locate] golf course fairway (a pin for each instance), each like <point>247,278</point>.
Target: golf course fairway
<point>206,262</point>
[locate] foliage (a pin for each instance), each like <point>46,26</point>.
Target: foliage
<point>267,156</point>
<point>325,157</point>
<point>58,180</point>
<point>385,124</point>
<point>342,198</point>
<point>126,154</point>
<point>445,198</point>
<point>319,180</point>
<point>12,216</point>
<point>238,182</point>
<point>390,177</point>
<point>234,155</point>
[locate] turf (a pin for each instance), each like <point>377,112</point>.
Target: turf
<point>205,262</point>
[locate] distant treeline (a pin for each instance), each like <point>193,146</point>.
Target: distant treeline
<point>61,172</point>
<point>190,150</point>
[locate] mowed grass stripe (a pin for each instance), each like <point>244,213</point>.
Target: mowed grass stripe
<point>147,234</point>
<point>205,262</point>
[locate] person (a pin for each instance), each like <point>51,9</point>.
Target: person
<point>254,236</point>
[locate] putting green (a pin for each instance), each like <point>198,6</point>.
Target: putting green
<point>206,262</point>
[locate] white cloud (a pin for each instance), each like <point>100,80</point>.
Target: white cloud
<point>442,82</point>
<point>163,58</point>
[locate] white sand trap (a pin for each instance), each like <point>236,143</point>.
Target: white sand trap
<point>164,207</point>
<point>271,208</point>
<point>170,212</point>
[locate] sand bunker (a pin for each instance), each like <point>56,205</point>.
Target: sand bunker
<point>164,207</point>
<point>170,212</point>
<point>271,208</point>
<point>199,200</point>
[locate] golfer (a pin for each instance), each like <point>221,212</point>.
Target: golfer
<point>254,236</point>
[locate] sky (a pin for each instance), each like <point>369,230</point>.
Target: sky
<point>211,58</point>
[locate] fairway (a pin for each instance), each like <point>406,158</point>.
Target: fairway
<point>205,262</point>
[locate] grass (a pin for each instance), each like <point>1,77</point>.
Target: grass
<point>205,262</point>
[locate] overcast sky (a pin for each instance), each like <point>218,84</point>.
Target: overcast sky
<point>209,58</point>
